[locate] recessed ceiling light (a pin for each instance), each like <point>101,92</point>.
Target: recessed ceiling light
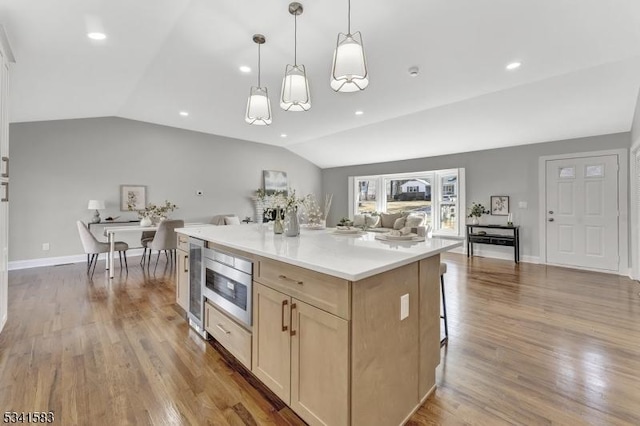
<point>245,69</point>
<point>184,113</point>
<point>359,112</point>
<point>513,66</point>
<point>283,135</point>
<point>97,36</point>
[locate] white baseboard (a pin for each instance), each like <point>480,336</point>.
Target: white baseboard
<point>62,260</point>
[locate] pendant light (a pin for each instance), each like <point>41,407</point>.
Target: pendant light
<point>295,85</point>
<point>349,70</point>
<point>258,105</point>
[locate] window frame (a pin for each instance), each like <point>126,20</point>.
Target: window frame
<point>436,177</point>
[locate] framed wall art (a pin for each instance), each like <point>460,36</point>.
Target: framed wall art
<point>133,197</point>
<point>499,205</point>
<point>275,181</point>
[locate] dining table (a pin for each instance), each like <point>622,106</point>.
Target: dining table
<point>111,232</point>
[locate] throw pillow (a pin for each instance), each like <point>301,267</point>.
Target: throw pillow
<point>359,219</point>
<point>399,223</point>
<point>232,220</point>
<point>372,221</point>
<point>388,219</point>
<point>415,219</point>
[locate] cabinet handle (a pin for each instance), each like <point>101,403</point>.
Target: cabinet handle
<point>284,303</point>
<point>284,277</point>
<point>6,192</point>
<point>6,169</point>
<point>293,306</point>
<point>186,267</point>
<point>222,328</point>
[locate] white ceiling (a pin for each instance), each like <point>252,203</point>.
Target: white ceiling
<point>580,73</point>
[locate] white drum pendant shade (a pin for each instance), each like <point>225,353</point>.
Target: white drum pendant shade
<point>258,107</point>
<point>349,70</point>
<point>295,89</point>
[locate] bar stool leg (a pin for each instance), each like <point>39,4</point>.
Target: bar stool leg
<point>445,339</point>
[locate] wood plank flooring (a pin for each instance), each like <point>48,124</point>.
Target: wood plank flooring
<point>528,344</point>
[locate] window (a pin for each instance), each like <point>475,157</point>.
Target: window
<point>437,193</point>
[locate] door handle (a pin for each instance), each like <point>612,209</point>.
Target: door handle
<point>550,219</point>
<point>293,306</point>
<point>186,267</point>
<point>550,211</point>
<point>284,303</point>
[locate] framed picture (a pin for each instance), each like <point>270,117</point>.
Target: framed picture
<point>133,197</point>
<point>274,181</point>
<point>499,205</point>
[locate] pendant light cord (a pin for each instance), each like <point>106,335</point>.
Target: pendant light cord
<point>349,15</point>
<point>295,39</point>
<point>259,65</point>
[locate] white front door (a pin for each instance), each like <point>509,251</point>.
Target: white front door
<point>582,212</point>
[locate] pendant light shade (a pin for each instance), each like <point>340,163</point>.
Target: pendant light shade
<point>349,70</point>
<point>295,94</point>
<point>258,105</point>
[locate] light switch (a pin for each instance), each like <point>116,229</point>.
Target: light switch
<point>404,306</point>
<point>522,205</point>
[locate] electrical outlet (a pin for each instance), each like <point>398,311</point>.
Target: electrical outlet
<point>45,246</point>
<point>404,306</point>
<point>199,192</point>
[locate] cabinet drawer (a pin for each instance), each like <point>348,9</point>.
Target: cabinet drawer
<point>234,338</point>
<point>183,242</point>
<point>328,293</point>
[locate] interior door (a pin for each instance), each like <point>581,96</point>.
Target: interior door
<point>582,212</point>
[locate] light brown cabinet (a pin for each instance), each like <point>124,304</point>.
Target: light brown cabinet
<point>302,354</point>
<point>234,338</point>
<point>182,279</point>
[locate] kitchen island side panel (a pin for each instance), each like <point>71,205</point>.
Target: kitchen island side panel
<point>385,350</point>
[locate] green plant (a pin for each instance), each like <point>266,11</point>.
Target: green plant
<point>477,210</point>
<point>345,221</point>
<point>157,211</point>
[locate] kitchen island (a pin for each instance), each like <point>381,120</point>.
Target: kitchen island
<point>346,328</point>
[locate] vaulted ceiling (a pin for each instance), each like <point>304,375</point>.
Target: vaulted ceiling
<point>580,70</point>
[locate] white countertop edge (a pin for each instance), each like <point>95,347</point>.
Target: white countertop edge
<point>194,232</point>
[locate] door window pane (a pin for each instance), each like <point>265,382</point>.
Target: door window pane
<point>449,203</point>
<point>366,196</point>
<point>567,172</point>
<point>595,171</point>
<point>409,194</point>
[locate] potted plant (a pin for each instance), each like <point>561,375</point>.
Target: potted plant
<point>476,211</point>
<point>152,214</point>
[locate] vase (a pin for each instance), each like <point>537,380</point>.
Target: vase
<point>474,221</point>
<point>278,225</point>
<point>145,221</point>
<point>292,224</point>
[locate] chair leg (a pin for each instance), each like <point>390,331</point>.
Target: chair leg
<point>89,262</point>
<point>95,262</point>
<point>444,313</point>
<point>166,255</point>
<point>125,262</point>
<point>144,255</point>
<point>120,256</point>
<point>157,259</point>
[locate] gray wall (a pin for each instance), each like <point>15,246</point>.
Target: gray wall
<point>57,166</point>
<point>509,171</point>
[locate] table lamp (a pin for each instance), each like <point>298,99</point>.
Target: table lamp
<point>96,205</point>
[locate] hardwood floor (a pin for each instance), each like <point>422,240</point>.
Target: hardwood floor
<point>528,344</point>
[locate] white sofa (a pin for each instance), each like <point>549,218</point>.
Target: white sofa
<point>385,222</point>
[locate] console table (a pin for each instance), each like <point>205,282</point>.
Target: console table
<point>494,239</point>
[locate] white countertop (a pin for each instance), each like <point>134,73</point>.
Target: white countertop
<point>352,257</point>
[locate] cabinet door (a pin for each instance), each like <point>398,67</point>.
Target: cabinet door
<point>319,365</point>
<point>271,360</point>
<point>4,256</point>
<point>182,280</point>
